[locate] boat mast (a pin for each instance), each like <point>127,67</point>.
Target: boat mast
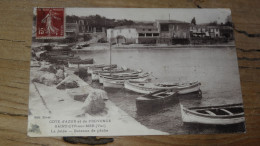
<point>110,54</point>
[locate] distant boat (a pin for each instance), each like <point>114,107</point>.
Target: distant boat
<point>96,67</point>
<point>216,115</point>
<point>82,61</point>
<point>155,100</point>
<point>61,59</point>
<point>146,88</point>
<point>118,81</point>
<point>80,46</point>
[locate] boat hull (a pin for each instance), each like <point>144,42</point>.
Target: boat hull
<point>147,90</point>
<point>113,84</point>
<point>93,68</point>
<point>144,104</point>
<point>79,61</point>
<point>189,117</point>
<point>95,75</point>
<point>110,83</point>
<point>71,65</point>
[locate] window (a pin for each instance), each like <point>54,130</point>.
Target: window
<point>129,30</point>
<point>164,27</point>
<point>141,34</point>
<point>149,29</point>
<point>149,34</point>
<point>155,34</point>
<point>143,29</point>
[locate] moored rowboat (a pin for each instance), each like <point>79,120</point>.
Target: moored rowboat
<point>216,115</point>
<point>155,100</point>
<point>97,67</point>
<point>118,82</point>
<point>121,75</point>
<point>146,88</point>
<point>95,74</point>
<point>76,62</point>
<point>80,61</point>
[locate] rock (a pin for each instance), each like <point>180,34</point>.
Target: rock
<point>67,83</point>
<point>35,64</point>
<point>60,74</point>
<point>37,80</point>
<point>82,97</point>
<point>48,79</point>
<point>79,94</point>
<point>48,68</point>
<point>82,72</point>
<point>95,102</point>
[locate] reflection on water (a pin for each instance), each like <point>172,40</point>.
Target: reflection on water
<point>215,68</point>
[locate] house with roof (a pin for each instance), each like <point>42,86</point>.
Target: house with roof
<point>210,34</point>
<point>148,34</point>
<point>173,31</point>
<point>226,32</point>
<point>213,31</point>
<point>72,30</point>
<point>205,31</point>
<point>85,26</point>
<point>122,35</point>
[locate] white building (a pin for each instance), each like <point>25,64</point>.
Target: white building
<point>133,34</point>
<point>122,35</point>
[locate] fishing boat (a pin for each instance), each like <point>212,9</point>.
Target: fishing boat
<point>82,61</point>
<point>118,82</point>
<point>97,67</point>
<point>146,88</point>
<point>106,72</point>
<point>125,74</point>
<point>155,100</point>
<point>216,115</point>
<point>61,58</point>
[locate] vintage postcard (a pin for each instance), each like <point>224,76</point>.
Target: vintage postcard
<point>133,71</point>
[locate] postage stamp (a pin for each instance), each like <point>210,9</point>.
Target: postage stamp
<point>50,23</point>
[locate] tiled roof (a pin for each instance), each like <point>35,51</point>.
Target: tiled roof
<point>171,21</point>
<point>136,26</point>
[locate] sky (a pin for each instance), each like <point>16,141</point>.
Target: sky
<point>152,14</point>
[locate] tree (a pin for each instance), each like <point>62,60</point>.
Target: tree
<point>228,21</point>
<point>193,21</point>
<point>214,23</point>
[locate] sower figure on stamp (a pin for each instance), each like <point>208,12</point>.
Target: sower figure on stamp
<point>50,29</point>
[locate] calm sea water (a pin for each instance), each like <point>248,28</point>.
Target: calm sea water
<point>215,68</point>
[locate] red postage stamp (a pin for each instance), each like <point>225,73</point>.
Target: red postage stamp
<point>50,23</point>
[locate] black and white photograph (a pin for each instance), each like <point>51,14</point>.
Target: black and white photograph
<point>133,71</point>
